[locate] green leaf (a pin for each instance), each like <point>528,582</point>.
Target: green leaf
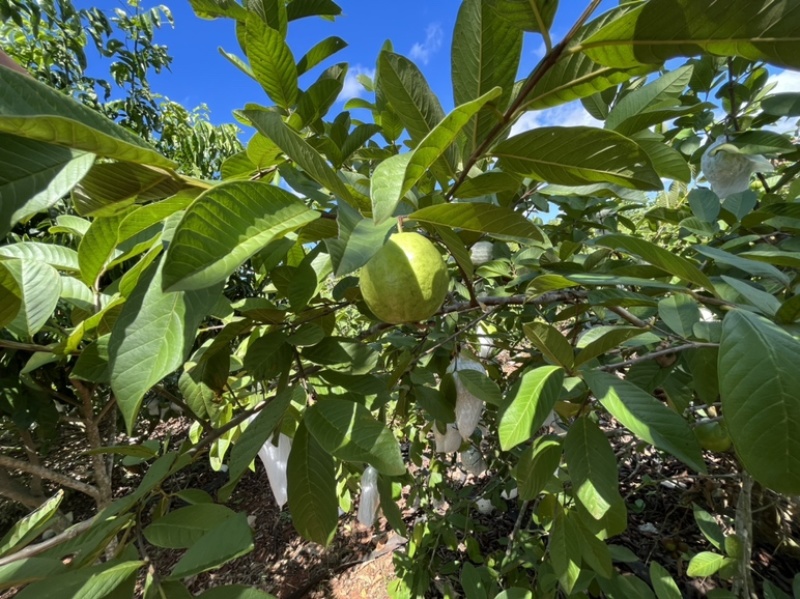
<point>786,104</point>
<point>312,8</point>
<point>40,287</point>
<point>707,563</point>
<point>213,9</point>
<point>152,337</point>
<point>680,313</point>
<point>260,430</point>
<point>704,204</point>
<point>592,467</point>
<point>224,227</point>
<point>35,175</point>
<point>311,487</point>
<point>58,256</point>
<point>709,527</point>
<point>348,431</point>
<point>578,156</point>
<point>662,29</point>
<point>608,340</point>
<point>626,115</point>
<point>272,126</point>
<point>98,247</point>
<point>751,267</point>
<point>576,76</point>
<point>10,296</point>
<point>536,466</point>
<point>227,540</point>
<point>646,417</point>
<point>528,15</point>
<point>663,584</point>
<point>502,223</point>
<point>31,569</point>
<point>530,406</point>
<point>324,49</point>
<point>659,257</point>
<point>182,528</point>
<point>762,301</point>
<point>553,345</point>
<point>30,109</point>
<point>488,183</point>
<point>389,185</point>
<point>412,99</point>
<point>362,244</point>
<point>758,383</point>
<point>31,526</point>
<point>565,552</point>
<point>94,582</point>
<point>485,54</point>
<point>272,62</point>
<point>666,160</point>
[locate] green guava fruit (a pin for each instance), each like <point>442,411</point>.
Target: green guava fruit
<point>406,281</point>
<point>713,436</point>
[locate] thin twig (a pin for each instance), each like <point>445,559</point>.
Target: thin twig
<point>33,550</point>
<point>47,474</point>
<point>657,354</point>
<point>625,315</point>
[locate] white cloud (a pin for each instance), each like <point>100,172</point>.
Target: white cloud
<point>567,115</point>
<point>787,81</point>
<point>352,87</point>
<point>421,52</point>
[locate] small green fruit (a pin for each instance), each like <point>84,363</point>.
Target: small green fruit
<point>713,436</point>
<point>406,281</point>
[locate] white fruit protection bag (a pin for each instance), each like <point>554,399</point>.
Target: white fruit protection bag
<point>275,459</point>
<point>370,499</point>
<point>468,407</point>
<point>729,172</point>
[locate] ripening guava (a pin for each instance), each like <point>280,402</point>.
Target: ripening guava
<point>406,281</point>
<point>713,436</point>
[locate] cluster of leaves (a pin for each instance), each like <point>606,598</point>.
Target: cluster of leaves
<point>238,301</point>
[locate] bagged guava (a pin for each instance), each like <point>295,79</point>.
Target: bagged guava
<point>472,461</point>
<point>729,172</point>
<point>468,407</point>
<point>449,441</point>
<point>369,501</point>
<point>275,459</point>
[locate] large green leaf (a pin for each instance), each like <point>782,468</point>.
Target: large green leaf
<point>564,548</point>
<point>311,488</point>
<point>527,15</point>
<point>389,185</point>
<point>10,295</point>
<point>553,345</point>
<point>659,30</point>
<point>600,340</point>
<point>27,570</point>
<point>592,467</point>
<point>646,417</point>
<point>663,584</point>
<point>31,109</point>
<point>530,406</point>
<point>578,156</point>
<point>486,53</point>
<point>228,539</point>
<point>182,528</point>
<point>659,257</point>
<point>312,8</point>
<point>40,287</point>
<point>751,267</point>
<point>324,49</point>
<point>496,221</point>
<point>272,126</point>
<point>224,227</point>
<point>758,378</point>
<point>348,431</point>
<point>58,256</point>
<point>536,466</point>
<point>272,61</point>
<point>575,75</point>
<point>363,243</point>
<point>31,526</point>
<point>34,175</point>
<point>152,336</point>
<point>94,582</point>
<point>409,94</point>
<point>99,247</point>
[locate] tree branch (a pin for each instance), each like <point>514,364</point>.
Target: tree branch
<point>47,474</point>
<point>95,442</point>
<point>11,489</point>
<point>33,550</point>
<point>657,354</point>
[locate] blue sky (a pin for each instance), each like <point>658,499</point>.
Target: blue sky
<point>419,29</point>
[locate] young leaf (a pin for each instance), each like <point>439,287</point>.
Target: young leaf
<point>530,406</point>
<point>758,377</point>
<point>225,541</point>
<point>31,526</point>
<point>348,431</point>
<point>311,479</point>
<point>224,227</point>
<point>486,53</point>
<point>646,417</point>
<point>592,467</point>
<point>578,156</point>
<point>707,563</point>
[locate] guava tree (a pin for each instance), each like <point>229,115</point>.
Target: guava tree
<point>667,313</point>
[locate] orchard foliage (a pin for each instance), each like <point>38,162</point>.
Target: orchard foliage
<point>593,277</point>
